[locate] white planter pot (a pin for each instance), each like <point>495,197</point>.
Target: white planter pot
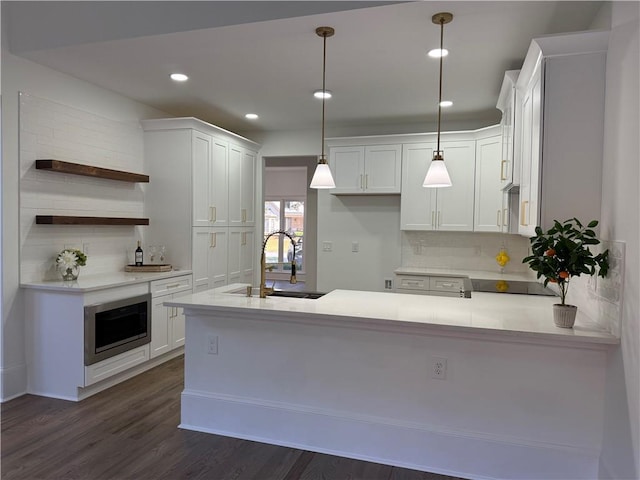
<point>564,316</point>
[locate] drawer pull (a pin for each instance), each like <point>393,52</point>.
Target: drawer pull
<point>173,285</point>
<point>448,285</point>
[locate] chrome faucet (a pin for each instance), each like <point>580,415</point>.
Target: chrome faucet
<point>264,290</point>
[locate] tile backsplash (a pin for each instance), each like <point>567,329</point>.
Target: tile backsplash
<point>463,250</point>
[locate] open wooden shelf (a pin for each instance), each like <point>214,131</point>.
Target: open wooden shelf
<point>89,171</point>
<point>68,220</point>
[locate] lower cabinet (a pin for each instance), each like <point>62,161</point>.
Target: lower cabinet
<point>444,286</point>
<point>167,323</point>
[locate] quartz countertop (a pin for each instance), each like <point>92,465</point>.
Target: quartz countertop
<point>89,283</point>
<point>526,318</point>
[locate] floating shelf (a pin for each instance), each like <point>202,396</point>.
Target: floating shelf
<point>66,220</point>
<point>89,171</point>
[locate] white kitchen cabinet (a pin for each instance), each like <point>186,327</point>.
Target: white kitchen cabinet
<point>560,93</point>
<point>366,169</point>
<point>203,188</point>
<point>449,208</point>
<point>167,323</point>
<point>488,209</point>
<point>241,255</point>
<point>210,252</point>
<point>509,162</point>
<point>209,159</point>
<point>241,186</point>
<point>446,286</point>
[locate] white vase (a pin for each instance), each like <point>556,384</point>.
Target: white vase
<point>564,316</point>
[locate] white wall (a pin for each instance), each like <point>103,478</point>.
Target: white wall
<point>621,221</point>
<point>22,75</point>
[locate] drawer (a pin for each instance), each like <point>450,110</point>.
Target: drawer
<point>446,284</point>
<point>171,285</point>
<point>413,283</point>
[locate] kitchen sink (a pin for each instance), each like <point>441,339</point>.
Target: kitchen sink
<point>296,294</point>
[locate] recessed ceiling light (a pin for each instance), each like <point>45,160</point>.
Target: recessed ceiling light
<point>446,103</point>
<point>179,77</point>
<point>437,53</point>
<point>321,94</point>
<point>251,116</point>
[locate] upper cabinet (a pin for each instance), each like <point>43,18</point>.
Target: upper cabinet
<point>242,172</point>
<point>560,95</point>
<point>366,169</point>
<point>489,212</point>
<point>509,163</point>
<point>450,208</point>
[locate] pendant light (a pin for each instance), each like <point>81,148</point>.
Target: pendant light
<point>322,177</point>
<point>437,175</point>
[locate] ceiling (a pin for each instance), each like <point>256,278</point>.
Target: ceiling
<point>247,57</point>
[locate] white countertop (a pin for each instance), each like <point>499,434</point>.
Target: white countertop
<point>518,317</point>
<point>89,283</point>
<point>473,274</point>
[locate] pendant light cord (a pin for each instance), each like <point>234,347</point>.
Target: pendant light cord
<point>440,89</point>
<point>324,91</point>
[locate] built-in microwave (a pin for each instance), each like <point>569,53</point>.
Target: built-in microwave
<point>116,327</point>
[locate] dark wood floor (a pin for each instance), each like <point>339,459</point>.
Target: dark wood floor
<point>130,432</point>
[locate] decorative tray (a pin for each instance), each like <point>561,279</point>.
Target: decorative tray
<point>148,268</point>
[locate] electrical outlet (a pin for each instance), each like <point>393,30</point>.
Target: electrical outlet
<point>327,246</point>
<point>388,284</point>
<point>439,368</point>
<point>212,344</point>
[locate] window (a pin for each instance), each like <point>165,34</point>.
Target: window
<point>287,215</point>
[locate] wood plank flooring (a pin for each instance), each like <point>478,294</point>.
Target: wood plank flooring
<point>130,432</point>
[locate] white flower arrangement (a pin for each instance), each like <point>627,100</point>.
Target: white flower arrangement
<point>69,259</point>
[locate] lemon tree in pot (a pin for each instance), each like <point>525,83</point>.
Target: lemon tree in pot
<point>562,253</point>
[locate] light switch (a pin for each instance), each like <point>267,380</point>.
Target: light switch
<point>355,247</point>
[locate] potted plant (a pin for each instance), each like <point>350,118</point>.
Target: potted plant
<point>561,253</point>
<point>69,262</point>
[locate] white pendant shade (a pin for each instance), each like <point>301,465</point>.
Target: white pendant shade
<point>437,175</point>
<point>322,177</point>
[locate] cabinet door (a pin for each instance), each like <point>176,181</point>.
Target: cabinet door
<point>176,326</point>
<point>234,255</point>
<point>218,189</point>
<point>209,258</point>
<point>382,165</point>
<point>235,185</point>
<point>506,162</point>
<point>202,178</point>
<point>247,255</point>
<point>347,166</point>
<point>247,187</point>
<point>417,203</point>
<point>488,198</point>
<point>159,327</point>
<point>454,210</point>
<point>530,154</point>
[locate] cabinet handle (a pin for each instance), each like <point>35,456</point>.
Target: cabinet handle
<point>244,215</point>
<point>447,285</point>
<point>213,240</point>
<point>433,218</point>
<point>212,214</point>
<point>502,175</point>
<point>439,219</point>
<point>366,181</point>
<point>498,220</point>
<point>504,217</point>
<point>173,285</point>
<point>244,238</point>
<point>361,182</point>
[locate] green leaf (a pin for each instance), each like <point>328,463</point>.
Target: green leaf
<point>592,224</point>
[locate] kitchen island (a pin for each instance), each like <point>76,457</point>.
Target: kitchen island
<point>485,387</point>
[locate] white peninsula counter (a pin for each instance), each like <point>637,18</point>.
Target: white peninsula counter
<point>354,374</point>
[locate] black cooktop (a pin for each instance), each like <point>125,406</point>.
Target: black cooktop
<point>508,286</point>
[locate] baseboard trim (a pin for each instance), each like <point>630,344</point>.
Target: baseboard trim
<point>13,382</point>
<point>421,447</point>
